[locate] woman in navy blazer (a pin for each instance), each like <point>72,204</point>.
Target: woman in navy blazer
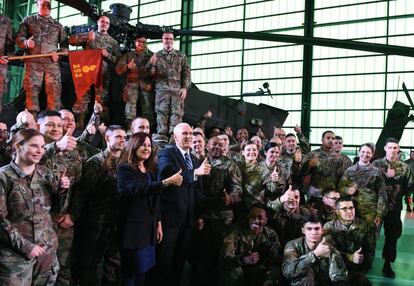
<point>140,224</point>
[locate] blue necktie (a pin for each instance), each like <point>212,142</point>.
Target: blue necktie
<point>188,161</point>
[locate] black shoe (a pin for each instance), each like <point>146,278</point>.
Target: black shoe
<point>387,270</point>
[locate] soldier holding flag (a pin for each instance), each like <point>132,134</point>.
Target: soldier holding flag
<point>40,34</point>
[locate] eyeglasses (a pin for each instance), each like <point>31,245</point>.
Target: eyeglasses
<point>344,209</point>
<point>4,131</point>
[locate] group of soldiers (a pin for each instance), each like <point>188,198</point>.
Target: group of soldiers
<point>269,211</point>
<point>158,82</point>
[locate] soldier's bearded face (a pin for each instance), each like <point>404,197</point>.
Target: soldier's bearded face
<point>328,140</point>
<point>52,128</point>
<point>312,231</point>
<point>257,220</point>
<point>31,151</point>
<point>140,44</point>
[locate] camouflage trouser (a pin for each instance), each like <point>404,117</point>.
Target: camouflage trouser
<point>3,84</point>
<point>65,239</point>
<point>101,96</point>
<point>100,249</point>
<point>17,271</point>
<point>169,109</point>
<point>134,93</point>
<point>32,84</point>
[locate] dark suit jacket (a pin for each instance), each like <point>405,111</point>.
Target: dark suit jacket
<point>139,207</point>
<point>178,204</point>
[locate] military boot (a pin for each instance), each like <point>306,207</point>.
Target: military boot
<point>387,270</point>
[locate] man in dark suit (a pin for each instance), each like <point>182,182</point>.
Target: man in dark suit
<point>178,204</point>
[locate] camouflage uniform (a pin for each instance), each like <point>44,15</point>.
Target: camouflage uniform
<point>99,195</point>
<point>349,238</point>
<point>25,222</point>
<point>102,41</point>
<point>327,174</point>
<point>409,196</point>
<point>302,267</point>
<point>6,48</point>
<point>284,179</point>
<point>239,243</point>
<point>139,85</point>
<point>371,195</point>
<point>172,72</point>
<point>397,187</point>
<point>59,162</point>
<point>224,176</point>
<point>288,226</point>
<point>47,34</point>
<point>256,184</point>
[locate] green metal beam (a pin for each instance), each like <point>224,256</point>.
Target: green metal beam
<point>307,69</point>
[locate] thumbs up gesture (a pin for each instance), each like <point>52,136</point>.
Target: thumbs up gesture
<point>323,249</point>
<point>274,175</point>
<point>175,180</point>
<point>91,36</point>
<point>131,64</point>
<point>64,180</point>
<point>67,142</point>
<point>289,195</point>
<point>390,172</point>
<point>314,161</point>
<point>30,43</point>
<point>204,168</point>
<point>357,257</point>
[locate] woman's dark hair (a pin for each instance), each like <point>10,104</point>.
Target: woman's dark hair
<point>23,136</point>
<point>133,144</point>
<point>272,145</point>
<point>369,145</point>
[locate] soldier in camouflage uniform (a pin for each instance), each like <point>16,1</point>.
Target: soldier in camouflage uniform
<point>325,167</point>
<point>6,49</point>
<point>409,197</point>
<point>310,260</point>
<point>258,183</point>
<point>28,241</point>
<point>40,34</point>
<point>272,163</point>
<point>139,85</point>
<point>353,238</point>
<point>99,195</point>
<point>172,80</point>
<point>61,157</point>
<point>251,253</point>
<point>326,208</point>
<point>110,50</point>
<point>221,191</point>
<point>365,183</point>
<point>399,180</point>
<point>287,215</point>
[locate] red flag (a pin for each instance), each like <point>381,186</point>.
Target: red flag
<point>86,68</point>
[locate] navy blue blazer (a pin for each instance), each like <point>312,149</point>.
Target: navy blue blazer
<point>139,207</point>
<point>178,204</point>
